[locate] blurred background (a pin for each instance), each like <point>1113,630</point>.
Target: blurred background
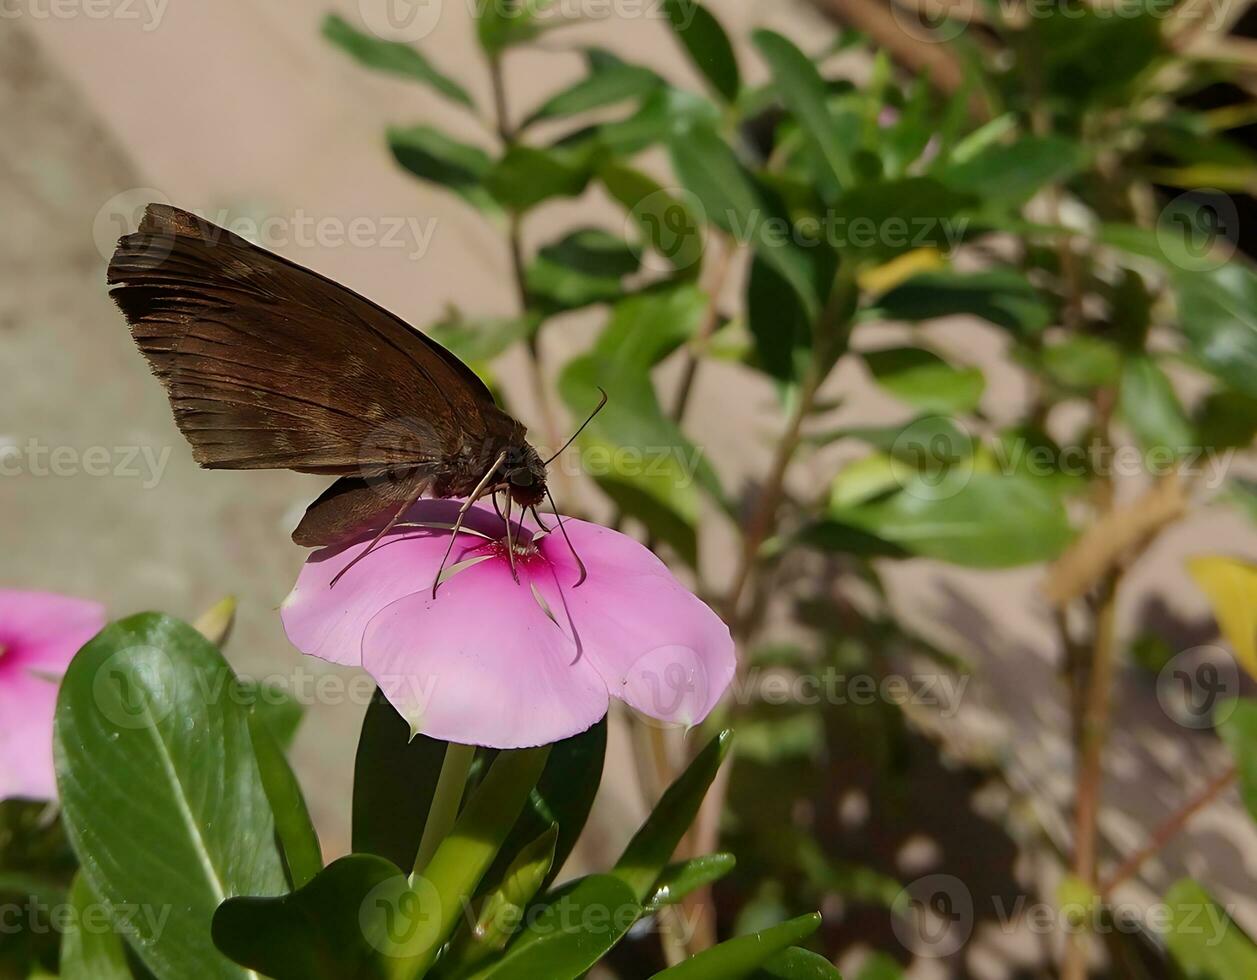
<point>250,115</point>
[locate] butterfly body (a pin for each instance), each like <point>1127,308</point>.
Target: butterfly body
<point>270,365</point>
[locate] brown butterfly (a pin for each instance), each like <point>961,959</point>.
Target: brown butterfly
<point>269,365</point>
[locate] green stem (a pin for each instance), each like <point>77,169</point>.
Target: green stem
<point>445,802</point>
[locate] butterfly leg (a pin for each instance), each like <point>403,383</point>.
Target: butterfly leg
<point>584,574</point>
<point>510,541</point>
<point>383,531</point>
<point>462,513</point>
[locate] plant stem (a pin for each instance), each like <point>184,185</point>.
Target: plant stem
<point>445,801</point>
<point>1169,829</point>
<point>724,249</point>
<point>1090,777</point>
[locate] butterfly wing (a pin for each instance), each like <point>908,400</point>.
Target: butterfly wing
<point>270,365</point>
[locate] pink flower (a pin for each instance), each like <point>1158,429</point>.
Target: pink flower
<point>39,635</point>
<point>491,661</point>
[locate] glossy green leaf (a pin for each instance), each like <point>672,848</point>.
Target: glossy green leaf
<point>528,175</point>
<point>585,266</point>
<point>925,381</point>
<point>392,57</point>
<point>741,957</point>
<point>1082,362</point>
<point>1218,316</point>
<point>394,781</point>
<point>466,853</point>
<point>805,95</point>
<point>348,921</point>
<point>281,712</point>
<point>92,947</point>
<point>707,44</point>
<point>564,796</point>
<point>666,222</point>
<point>1204,942</point>
<point>431,155</point>
<point>633,445</point>
<point>1238,728</point>
<point>147,713</point>
<point>298,840</point>
<point>681,879</point>
<point>650,850</point>
<point>1151,409</point>
<point>1009,174</point>
<point>976,519</point>
<point>570,932</point>
<point>609,82</point>
<point>500,913</point>
<point>1000,296</point>
<point>797,963</point>
<point>733,201</point>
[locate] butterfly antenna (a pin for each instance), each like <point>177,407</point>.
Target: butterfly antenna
<point>462,513</point>
<point>379,536</point>
<point>584,574</point>
<point>592,415</point>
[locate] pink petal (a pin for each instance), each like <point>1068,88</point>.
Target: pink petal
<point>482,663</point>
<point>329,622</point>
<point>27,705</point>
<point>658,647</point>
<point>47,630</point>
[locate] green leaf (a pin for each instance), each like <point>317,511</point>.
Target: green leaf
<point>394,781</point>
<point>685,877</point>
<point>1009,174</point>
<point>147,715</point>
<point>1218,314</point>
<point>346,922</point>
<point>1203,940</point>
<point>928,442</point>
<point>877,222</point>
<point>528,175</point>
<point>1226,420</point>
<point>281,712</point>
<point>501,911</point>
<point>778,323</point>
<point>707,44</point>
<point>797,963</point>
<point>733,201</point>
<point>1238,728</point>
<point>609,81</point>
<point>501,24</point>
<point>570,932</point>
<point>91,946</point>
<point>650,850</point>
<point>585,266</point>
<point>663,114</point>
<point>432,156</point>
<point>1082,362</point>
<point>805,95</point>
<point>925,381</point>
<point>975,519</point>
<point>879,966</point>
<point>741,957</point>
<point>632,448</point>
<point>1001,296</point>
<point>392,57</point>
<point>564,795</point>
<point>668,224</point>
<point>478,341</point>
<point>1088,57</point>
<point>1151,410</point>
<point>465,855</point>
<point>297,838</point>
